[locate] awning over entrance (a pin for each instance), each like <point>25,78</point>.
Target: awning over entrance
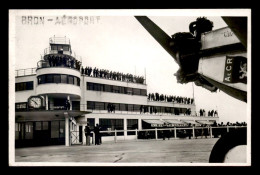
<point>47,115</point>
<point>155,123</point>
<point>175,123</point>
<point>205,122</point>
<point>192,122</point>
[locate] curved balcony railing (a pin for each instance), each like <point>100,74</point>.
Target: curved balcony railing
<point>67,64</point>
<point>48,51</point>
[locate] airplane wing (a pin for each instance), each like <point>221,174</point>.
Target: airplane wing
<point>157,33</point>
<point>238,25</point>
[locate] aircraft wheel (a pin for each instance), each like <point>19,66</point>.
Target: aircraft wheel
<point>230,147</point>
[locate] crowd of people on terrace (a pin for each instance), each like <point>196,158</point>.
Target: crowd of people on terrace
<point>211,113</point>
<point>61,60</point>
<point>169,98</point>
<point>104,73</point>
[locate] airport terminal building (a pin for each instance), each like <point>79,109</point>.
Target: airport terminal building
<point>55,101</point>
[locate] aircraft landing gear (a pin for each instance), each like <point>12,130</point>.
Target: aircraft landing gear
<point>230,148</point>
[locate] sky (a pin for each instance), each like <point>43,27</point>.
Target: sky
<point>120,43</point>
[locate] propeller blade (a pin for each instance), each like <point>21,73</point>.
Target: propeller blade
<point>238,25</point>
<point>157,33</point>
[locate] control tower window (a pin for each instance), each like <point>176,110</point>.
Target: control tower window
<point>58,78</point>
<point>65,48</point>
<point>54,47</point>
<point>63,78</point>
<point>70,79</point>
<point>60,48</point>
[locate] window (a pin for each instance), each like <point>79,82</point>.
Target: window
<point>63,78</point>
<point>130,107</point>
<point>130,91</point>
<point>91,122</point>
<point>70,79</point>
<point>116,89</point>
<point>137,107</point>
<point>167,109</point>
<point>75,81</point>
<point>91,105</point>
<point>65,48</point>
<point>19,86</point>
<point>111,124</point>
<point>29,85</point>
<point>136,91</point>
<point>96,87</point>
<point>24,86</point>
<point>90,86</point>
<point>157,108</point>
<point>131,125</point>
<point>116,106</point>
<point>56,78</point>
<point>100,106</point>
<point>75,105</point>
<point>41,79</point>
<point>144,92</point>
<point>123,107</point>
<point>49,78</point>
<point>53,47</point>
<point>121,90</point>
<point>38,125</point>
<point>59,47</point>
<point>108,88</point>
<point>182,110</point>
<point>78,81</point>
<point>163,109</point>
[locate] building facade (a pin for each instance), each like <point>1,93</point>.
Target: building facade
<point>55,101</point>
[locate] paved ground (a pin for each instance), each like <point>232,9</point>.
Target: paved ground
<point>141,151</point>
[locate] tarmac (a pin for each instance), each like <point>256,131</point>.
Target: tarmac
<point>134,151</point>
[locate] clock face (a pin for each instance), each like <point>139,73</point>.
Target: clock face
<point>35,102</point>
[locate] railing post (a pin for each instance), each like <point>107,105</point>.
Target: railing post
<point>193,132</point>
<point>115,136</point>
<point>156,136</point>
<point>175,133</point>
<point>136,136</point>
<point>210,131</point>
<point>227,129</point>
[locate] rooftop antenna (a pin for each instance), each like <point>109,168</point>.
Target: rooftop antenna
<point>145,75</point>
<point>193,93</point>
<point>193,96</point>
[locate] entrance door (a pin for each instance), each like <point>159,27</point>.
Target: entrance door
<point>42,133</point>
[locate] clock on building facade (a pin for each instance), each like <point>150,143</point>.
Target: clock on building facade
<point>35,102</point>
